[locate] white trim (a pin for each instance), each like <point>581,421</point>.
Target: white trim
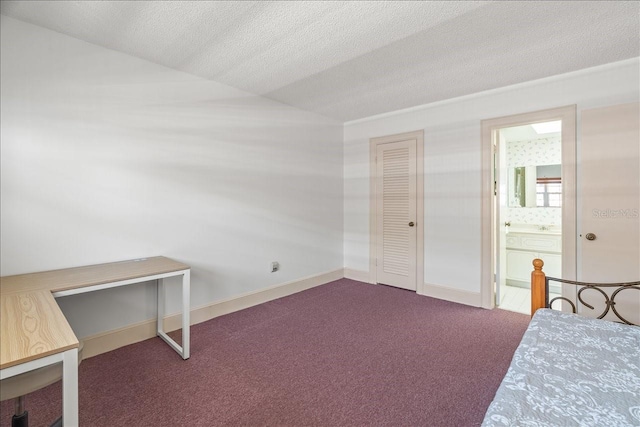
<point>31,365</point>
<point>502,89</point>
<point>85,289</point>
<point>185,318</point>
<point>186,315</point>
<point>116,338</point>
<point>568,116</point>
<point>161,306</point>
<point>69,360</point>
<point>359,275</point>
<point>70,398</point>
<point>373,146</point>
<point>186,303</point>
<point>111,340</point>
<point>452,294</point>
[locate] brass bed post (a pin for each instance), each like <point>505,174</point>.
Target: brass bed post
<point>538,285</point>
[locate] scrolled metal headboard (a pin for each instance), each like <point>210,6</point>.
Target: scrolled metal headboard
<point>609,300</point>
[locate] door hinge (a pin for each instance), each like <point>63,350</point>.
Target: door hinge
<point>495,188</point>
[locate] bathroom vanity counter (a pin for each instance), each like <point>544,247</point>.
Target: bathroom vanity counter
<point>533,231</point>
<point>522,247</point>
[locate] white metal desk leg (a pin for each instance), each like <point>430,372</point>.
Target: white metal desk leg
<point>160,318</point>
<point>70,417</point>
<point>186,310</point>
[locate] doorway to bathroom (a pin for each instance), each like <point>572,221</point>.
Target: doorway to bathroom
<point>529,209</point>
<point>533,204</point>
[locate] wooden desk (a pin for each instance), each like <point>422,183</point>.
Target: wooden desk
<point>34,332</point>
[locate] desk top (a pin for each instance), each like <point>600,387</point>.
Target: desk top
<point>31,322</point>
<point>32,326</point>
<point>78,277</point>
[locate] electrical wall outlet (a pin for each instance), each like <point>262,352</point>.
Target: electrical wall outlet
<point>275,266</point>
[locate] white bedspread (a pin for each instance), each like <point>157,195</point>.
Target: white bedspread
<point>570,370</point>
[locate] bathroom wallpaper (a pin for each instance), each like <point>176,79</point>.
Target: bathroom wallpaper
<point>535,216</point>
<point>541,151</point>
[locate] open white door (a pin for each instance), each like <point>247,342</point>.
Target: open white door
<point>609,198</point>
<point>500,211</point>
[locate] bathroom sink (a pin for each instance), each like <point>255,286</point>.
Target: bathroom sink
<point>535,229</point>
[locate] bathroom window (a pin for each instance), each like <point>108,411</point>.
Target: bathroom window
<point>549,192</point>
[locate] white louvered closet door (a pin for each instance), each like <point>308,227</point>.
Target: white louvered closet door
<point>396,214</point>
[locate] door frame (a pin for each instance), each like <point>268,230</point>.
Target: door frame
<point>488,248</point>
<point>373,238</point>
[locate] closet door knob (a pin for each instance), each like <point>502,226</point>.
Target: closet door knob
<point>590,236</point>
<point>411,224</point>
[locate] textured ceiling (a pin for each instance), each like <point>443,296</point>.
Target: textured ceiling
<point>349,60</point>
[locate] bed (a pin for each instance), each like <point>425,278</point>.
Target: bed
<point>572,370</point>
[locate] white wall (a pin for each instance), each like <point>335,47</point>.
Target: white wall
<point>106,157</point>
<point>452,165</point>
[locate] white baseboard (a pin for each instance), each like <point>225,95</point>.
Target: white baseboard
<point>116,338</point>
<point>451,294</point>
<point>430,290</point>
<point>435,291</point>
<point>359,275</point>
<point>130,334</point>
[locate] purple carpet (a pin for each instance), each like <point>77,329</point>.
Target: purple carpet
<point>341,354</point>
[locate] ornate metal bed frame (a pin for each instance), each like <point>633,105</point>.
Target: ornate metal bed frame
<point>540,292</point>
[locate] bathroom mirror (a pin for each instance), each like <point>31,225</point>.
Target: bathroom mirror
<point>535,186</point>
